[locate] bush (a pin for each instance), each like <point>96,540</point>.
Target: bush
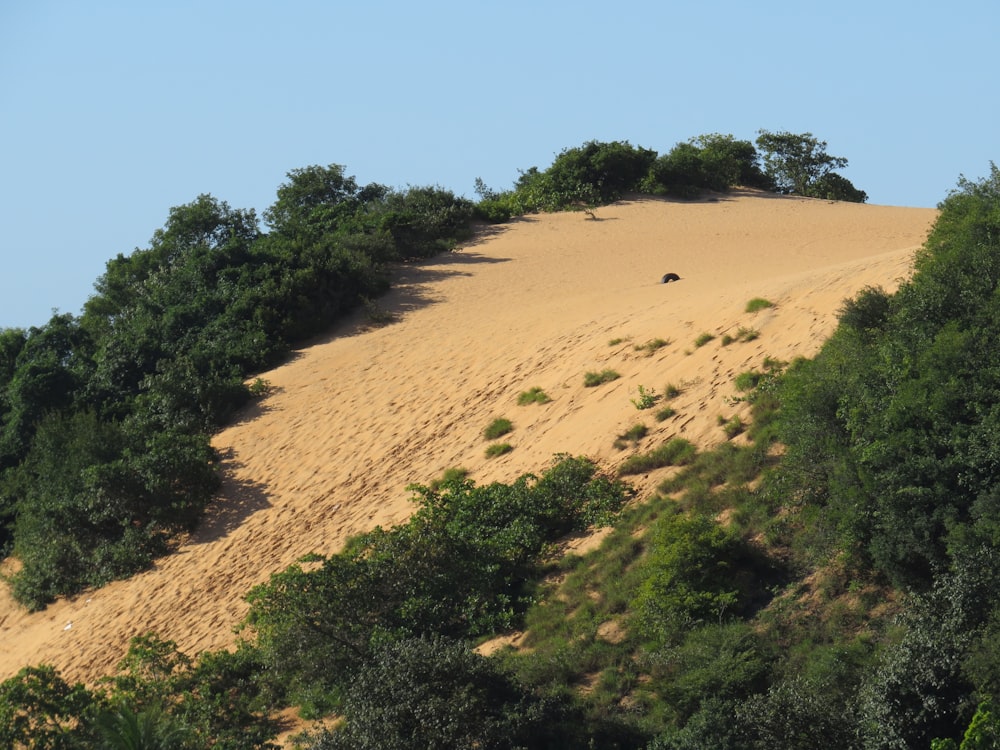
<point>593,379</point>
<point>757,304</point>
<point>691,577</point>
<point>533,395</point>
<point>498,449</point>
<point>497,428</point>
<point>433,692</point>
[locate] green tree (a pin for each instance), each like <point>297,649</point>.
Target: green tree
<point>728,162</point>
<point>150,729</point>
<point>799,164</point>
<point>434,693</point>
<point>41,711</point>
<point>691,577</point>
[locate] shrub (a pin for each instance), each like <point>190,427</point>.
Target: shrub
<point>533,395</point>
<point>498,449</point>
<point>434,692</point>
<point>703,339</point>
<point>498,428</point>
<point>732,427</point>
<point>690,577</point>
<point>633,435</point>
<point>662,415</point>
<point>592,379</point>
<point>646,400</point>
<point>651,346</point>
<point>747,381</point>
<point>757,304</point>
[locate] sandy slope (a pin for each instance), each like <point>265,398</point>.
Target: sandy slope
<point>356,417</point>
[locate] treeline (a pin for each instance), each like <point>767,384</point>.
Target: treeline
<point>106,418</point>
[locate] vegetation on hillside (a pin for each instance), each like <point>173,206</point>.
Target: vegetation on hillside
<point>826,579</point>
<point>105,418</point>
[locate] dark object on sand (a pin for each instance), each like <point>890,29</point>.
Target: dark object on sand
<point>671,277</point>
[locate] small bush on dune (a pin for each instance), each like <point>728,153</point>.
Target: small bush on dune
<point>592,379</point>
<point>651,346</point>
<point>498,428</point>
<point>757,304</point>
<point>533,395</point>
<point>498,449</point>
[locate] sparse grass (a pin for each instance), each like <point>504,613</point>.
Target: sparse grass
<point>675,452</point>
<point>498,449</point>
<point>646,400</point>
<point>662,415</point>
<point>631,436</point>
<point>742,334</point>
<point>617,341</point>
<point>498,428</point>
<point>592,379</point>
<point>651,346</point>
<point>703,339</point>
<point>757,304</point>
<point>533,396</point>
<point>672,391</point>
<point>772,364</point>
<point>456,473</point>
<point>732,426</point>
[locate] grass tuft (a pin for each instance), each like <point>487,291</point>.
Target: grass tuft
<point>533,396</point>
<point>499,427</point>
<point>592,379</point>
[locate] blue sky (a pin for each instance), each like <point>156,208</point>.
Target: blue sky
<point>113,112</point>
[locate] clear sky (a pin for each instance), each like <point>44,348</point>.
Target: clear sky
<point>112,112</point>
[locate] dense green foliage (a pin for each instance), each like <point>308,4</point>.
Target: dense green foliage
<point>158,699</point>
<point>459,568</point>
<point>431,692</point>
<point>799,163</point>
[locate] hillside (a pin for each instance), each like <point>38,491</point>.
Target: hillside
<point>357,416</point>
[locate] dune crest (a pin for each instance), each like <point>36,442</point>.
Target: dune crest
<point>357,416</point>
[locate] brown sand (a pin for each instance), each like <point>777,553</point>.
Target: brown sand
<point>357,416</point>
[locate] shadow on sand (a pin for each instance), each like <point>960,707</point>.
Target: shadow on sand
<point>237,500</point>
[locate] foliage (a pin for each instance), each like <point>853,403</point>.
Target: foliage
<point>458,568</point>
<point>799,164</point>
<point>434,692</point>
<point>703,339</point>
<point>646,399</point>
<point>533,395</point>
<point>707,162</point>
<point>692,569</point>
<point>497,428</point>
<point>757,304</point>
<point>41,711</point>
<point>149,729</point>
<point>593,379</point>
<point>675,452</point>
<point>498,449</point>
<point>651,346</point>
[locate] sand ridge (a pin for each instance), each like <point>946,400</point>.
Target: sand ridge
<point>358,415</point>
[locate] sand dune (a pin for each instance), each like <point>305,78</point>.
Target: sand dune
<point>357,416</point>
